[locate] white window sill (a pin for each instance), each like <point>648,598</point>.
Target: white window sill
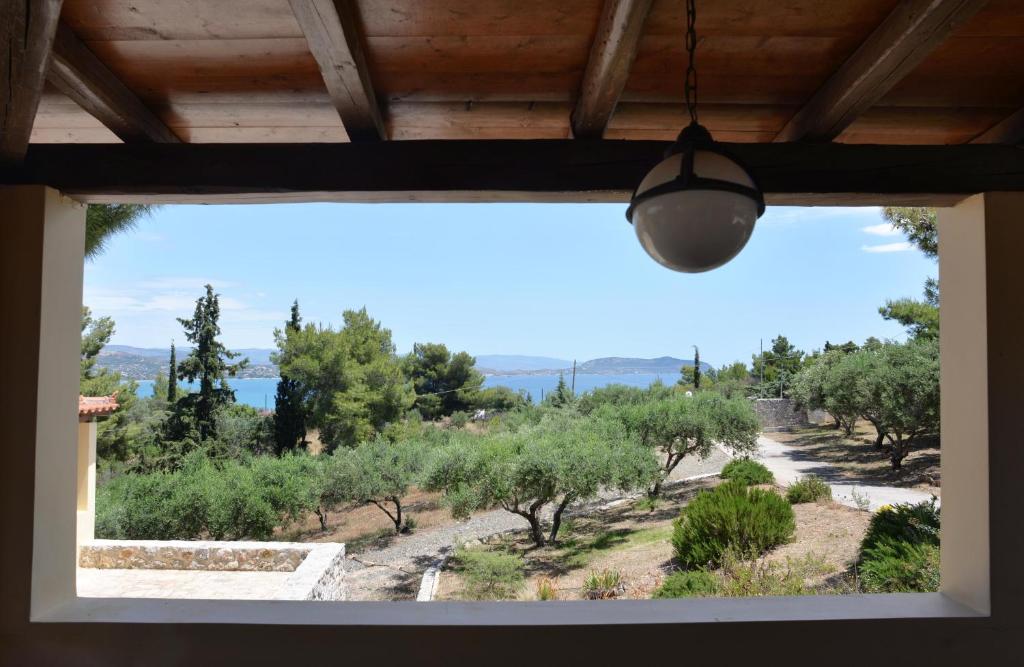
<point>623,612</point>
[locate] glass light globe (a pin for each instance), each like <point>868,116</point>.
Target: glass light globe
<point>699,227</point>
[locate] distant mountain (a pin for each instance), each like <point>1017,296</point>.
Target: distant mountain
<point>256,356</point>
<point>143,363</point>
<point>628,365</point>
<point>496,363</point>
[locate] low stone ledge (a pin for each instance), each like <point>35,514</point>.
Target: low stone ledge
<point>198,555</point>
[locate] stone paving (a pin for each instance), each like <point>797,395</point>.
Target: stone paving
<point>188,584</point>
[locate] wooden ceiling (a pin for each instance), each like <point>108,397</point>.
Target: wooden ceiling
<point>255,71</point>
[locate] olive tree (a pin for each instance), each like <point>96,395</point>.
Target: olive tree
<point>809,388</point>
<point>907,394</point>
<point>377,472</point>
<point>558,461</point>
<point>859,379</point>
<point>691,425</point>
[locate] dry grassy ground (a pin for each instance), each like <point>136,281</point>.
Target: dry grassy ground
<point>635,542</point>
<point>365,526</point>
<point>857,460</point>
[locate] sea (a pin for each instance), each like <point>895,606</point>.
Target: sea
<point>259,392</point>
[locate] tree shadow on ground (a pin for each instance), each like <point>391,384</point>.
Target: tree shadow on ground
<point>856,460</point>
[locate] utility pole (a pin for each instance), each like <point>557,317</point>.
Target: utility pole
<point>574,378</point>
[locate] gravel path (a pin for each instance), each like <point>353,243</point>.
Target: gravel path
<point>788,463</point>
<point>394,572</point>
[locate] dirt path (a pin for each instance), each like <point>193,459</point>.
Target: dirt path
<point>788,463</point>
<point>394,572</point>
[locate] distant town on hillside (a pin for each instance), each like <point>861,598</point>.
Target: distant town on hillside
<point>141,363</point>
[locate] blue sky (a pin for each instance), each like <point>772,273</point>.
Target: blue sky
<point>560,280</point>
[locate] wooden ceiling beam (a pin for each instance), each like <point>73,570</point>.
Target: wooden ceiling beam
<point>611,57</point>
<point>335,39</point>
<point>79,74</point>
<point>912,30</point>
<point>504,170</point>
<point>1008,131</point>
<point>27,28</point>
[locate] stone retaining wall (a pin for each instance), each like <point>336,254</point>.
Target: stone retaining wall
<point>778,414</point>
<point>313,571</point>
<point>187,555</point>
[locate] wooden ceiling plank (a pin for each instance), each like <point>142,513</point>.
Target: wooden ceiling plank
<point>1010,131</point>
<point>498,169</point>
<point>79,74</point>
<point>611,57</point>
<point>335,39</point>
<point>912,30</point>
<point>27,29</point>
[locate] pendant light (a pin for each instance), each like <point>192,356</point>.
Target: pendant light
<point>696,209</point>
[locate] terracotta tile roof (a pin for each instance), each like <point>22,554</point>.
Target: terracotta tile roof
<point>96,406</point>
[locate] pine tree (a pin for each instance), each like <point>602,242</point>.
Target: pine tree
<point>289,408</point>
<point>696,367</point>
<point>172,378</point>
<point>562,395</point>
<point>207,362</point>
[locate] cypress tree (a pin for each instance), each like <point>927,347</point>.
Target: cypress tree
<point>696,367</point>
<point>207,362</point>
<point>172,378</point>
<point>289,411</point>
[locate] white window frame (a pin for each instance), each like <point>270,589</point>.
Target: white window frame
<point>965,493</point>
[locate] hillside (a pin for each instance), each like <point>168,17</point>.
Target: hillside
<point>143,363</point>
<point>629,365</point>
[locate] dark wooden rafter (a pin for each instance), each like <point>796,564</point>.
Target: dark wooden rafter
<point>1010,131</point>
<point>505,170</point>
<point>27,29</point>
<point>80,75</point>
<point>912,30</point>
<point>611,57</point>
<point>335,39</point>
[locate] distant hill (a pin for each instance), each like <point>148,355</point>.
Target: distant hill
<point>517,362</point>
<point>143,363</point>
<point>629,365</point>
<point>498,364</point>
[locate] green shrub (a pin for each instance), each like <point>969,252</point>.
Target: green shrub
<point>227,501</point>
<point>731,517</point>
<point>490,575</point>
<point>809,489</point>
<point>747,471</point>
<point>905,522</point>
<point>459,419</point>
<point>900,567</point>
<point>602,585</point>
<point>688,583</point>
<point>900,551</point>
<point>646,504</point>
<point>742,578</point>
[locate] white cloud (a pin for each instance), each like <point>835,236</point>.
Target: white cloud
<point>786,215</point>
<point>902,246</point>
<point>884,229</point>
